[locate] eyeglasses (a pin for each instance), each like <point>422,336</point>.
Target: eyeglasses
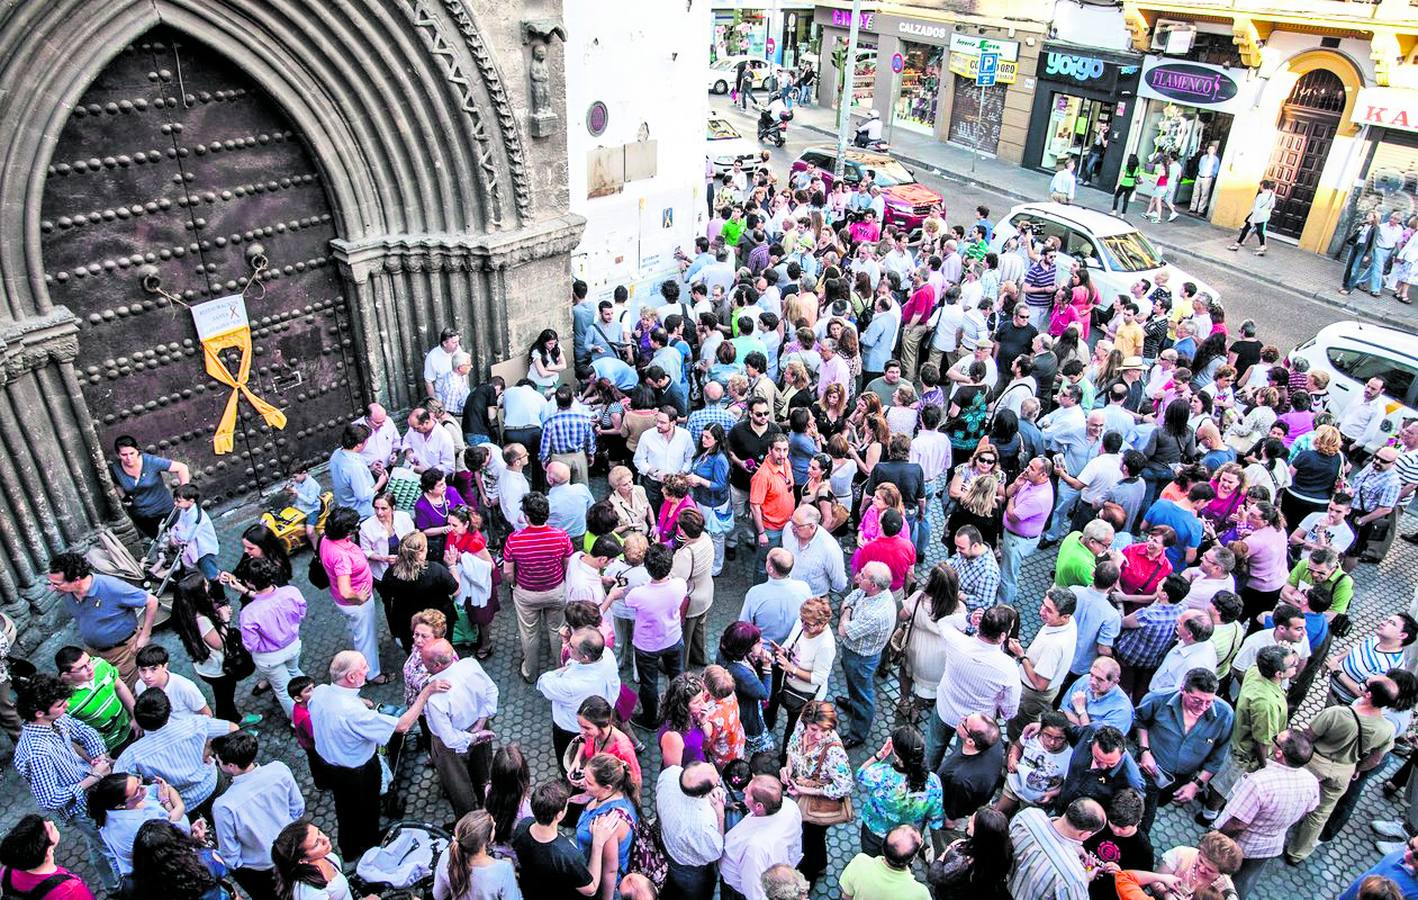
<point>988,460</point>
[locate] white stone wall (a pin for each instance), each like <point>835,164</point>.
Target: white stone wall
<point>648,64</point>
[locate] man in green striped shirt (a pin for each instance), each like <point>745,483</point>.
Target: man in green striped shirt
<point>100,700</point>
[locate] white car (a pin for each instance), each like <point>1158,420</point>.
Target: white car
<point>724,70</point>
<point>1115,253</point>
<point>1352,353</point>
<point>726,145</point>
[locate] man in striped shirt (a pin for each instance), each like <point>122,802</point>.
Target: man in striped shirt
<point>100,699</point>
<point>1039,284</point>
<point>1374,655</point>
<point>175,751</point>
<point>534,561</point>
<point>1048,852</point>
<point>569,436</point>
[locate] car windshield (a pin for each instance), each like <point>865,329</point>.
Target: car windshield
<point>1130,252</point>
<point>720,129</point>
<point>725,64</point>
<point>889,173</point>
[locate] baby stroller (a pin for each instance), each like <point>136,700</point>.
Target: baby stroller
<point>402,866</point>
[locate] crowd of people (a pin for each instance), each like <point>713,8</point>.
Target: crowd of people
<point>813,404</point>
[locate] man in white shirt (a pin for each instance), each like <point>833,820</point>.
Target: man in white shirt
<point>931,451</point>
<point>260,802</point>
<point>771,834</point>
<point>439,360</point>
<point>1288,631</point>
<point>589,672</point>
<point>719,273</point>
<point>983,352</point>
<point>427,446</point>
<point>383,441</point>
<point>690,804</point>
<point>950,321</point>
<point>978,678</point>
<point>1209,577</point>
<point>818,558</point>
<point>1063,186</point>
<point>666,450</point>
<point>460,742</point>
<point>1193,650</point>
<point>512,485</point>
<point>347,734</point>
<point>186,698</point>
<point>523,411</point>
<point>1044,666</point>
<point>1359,426</point>
<point>899,260</point>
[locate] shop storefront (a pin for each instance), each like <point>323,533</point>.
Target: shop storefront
<point>1389,179</point>
<point>918,87</point>
<point>1189,106</point>
<point>740,32</point>
<point>977,113</point>
<point>834,25</point>
<point>1084,99</point>
<point>799,36</point>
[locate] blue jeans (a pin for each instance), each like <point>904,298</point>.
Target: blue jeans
<point>691,882</point>
<point>1013,549</point>
<point>860,672</point>
<point>1374,271</point>
<point>760,555</point>
<point>671,659</point>
<point>938,738</point>
<point>920,534</point>
<point>1059,526</point>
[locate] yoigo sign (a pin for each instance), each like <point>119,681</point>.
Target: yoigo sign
<point>1078,68</point>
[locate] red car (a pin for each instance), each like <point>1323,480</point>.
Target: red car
<point>908,202</point>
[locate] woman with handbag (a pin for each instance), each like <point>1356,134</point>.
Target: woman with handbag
<point>270,628</point>
<point>899,789</point>
<point>203,624</point>
<point>610,792</point>
<point>819,776</point>
<point>742,653</point>
<point>805,658</point>
<point>925,616</point>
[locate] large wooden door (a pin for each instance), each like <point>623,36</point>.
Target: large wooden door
<point>174,158</point>
<point>1308,123</point>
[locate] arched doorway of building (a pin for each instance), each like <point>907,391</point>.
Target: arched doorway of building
<point>1308,123</point>
<point>174,158</point>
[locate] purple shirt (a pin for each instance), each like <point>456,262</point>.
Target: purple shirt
<point>656,607</point>
<point>1268,562</point>
<point>272,622</point>
<point>1032,504</point>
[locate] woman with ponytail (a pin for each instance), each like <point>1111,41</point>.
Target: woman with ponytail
<point>466,871</point>
<point>614,793</point>
<point>898,788</point>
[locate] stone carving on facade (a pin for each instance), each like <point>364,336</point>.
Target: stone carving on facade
<point>542,120</point>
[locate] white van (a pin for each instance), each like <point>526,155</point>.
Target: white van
<point>1352,353</point>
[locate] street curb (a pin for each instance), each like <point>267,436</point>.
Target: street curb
<point>1329,298</point>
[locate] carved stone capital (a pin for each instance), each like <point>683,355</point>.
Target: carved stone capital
<point>542,30</point>
<point>456,252</point>
<point>33,343</point>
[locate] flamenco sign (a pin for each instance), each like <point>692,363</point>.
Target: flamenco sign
<point>1191,84</point>
<point>222,325</point>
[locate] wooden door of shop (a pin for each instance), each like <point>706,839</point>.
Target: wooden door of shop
<point>1308,123</point>
<point>174,158</point>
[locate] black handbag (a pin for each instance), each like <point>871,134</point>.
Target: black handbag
<point>236,659</point>
<point>319,578</point>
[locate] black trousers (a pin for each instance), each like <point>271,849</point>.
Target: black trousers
<point>560,740</point>
<point>356,793</point>
<point>259,884</point>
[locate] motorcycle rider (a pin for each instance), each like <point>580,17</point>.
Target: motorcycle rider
<point>870,129</point>
<point>773,119</point>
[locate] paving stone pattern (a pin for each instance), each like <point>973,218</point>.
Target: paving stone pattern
<point>525,716</point>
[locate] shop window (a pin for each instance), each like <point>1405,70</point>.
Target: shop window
<point>1361,366</point>
<point>918,93</point>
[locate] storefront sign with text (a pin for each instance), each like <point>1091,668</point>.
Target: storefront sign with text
<point>1007,50</point>
<point>842,18</point>
<point>1079,68</point>
<point>924,29</point>
<point>1387,107</point>
<point>1191,84</point>
<point>969,67</point>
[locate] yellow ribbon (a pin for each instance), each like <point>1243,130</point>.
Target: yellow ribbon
<point>239,338</point>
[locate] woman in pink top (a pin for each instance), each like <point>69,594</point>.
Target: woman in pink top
<point>1268,566</point>
<point>352,586</point>
<point>676,500</point>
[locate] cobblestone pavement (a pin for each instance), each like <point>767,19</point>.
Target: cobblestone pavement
<point>525,718</point>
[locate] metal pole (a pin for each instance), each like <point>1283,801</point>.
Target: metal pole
<point>979,124</point>
<point>849,78</point>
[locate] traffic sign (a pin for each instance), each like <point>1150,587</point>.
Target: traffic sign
<point>772,45</point>
<point>985,79</point>
<point>898,62</point>
<point>989,64</point>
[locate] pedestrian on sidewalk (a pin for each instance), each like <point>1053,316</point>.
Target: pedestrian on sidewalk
<point>1387,237</point>
<point>1169,174</point>
<point>1361,244</point>
<point>1127,183</point>
<point>1405,268</point>
<point>1064,186</point>
<point>1207,169</point>
<point>1259,216</point>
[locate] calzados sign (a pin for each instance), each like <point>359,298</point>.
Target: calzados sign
<point>1190,83</point>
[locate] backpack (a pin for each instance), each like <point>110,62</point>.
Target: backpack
<point>647,851</point>
<point>9,892</point>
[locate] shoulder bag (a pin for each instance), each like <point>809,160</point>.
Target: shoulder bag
<point>236,659</point>
<point>895,652</point>
<point>790,697</point>
<point>319,578</point>
<point>821,810</point>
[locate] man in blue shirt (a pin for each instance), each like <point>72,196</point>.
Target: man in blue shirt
<point>1181,517</point>
<point>1400,867</point>
<point>103,608</point>
<point>1184,737</point>
<point>353,484</point>
<point>982,221</point>
<point>1097,698</point>
<point>583,313</point>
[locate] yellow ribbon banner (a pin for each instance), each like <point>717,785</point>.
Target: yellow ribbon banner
<point>221,325</point>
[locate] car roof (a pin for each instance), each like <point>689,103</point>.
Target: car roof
<point>1092,221</point>
<point>1388,341</point>
<point>861,156</point>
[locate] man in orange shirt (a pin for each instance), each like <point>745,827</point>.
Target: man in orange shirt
<point>770,499</point>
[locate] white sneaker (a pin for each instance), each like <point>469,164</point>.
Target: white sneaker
<point>1173,216</point>
<point>1390,829</point>
<point>1387,847</point>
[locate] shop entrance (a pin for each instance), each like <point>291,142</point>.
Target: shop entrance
<point>918,93</point>
<point>1308,123</point>
<point>1073,123</point>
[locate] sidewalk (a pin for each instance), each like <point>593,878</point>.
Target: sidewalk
<point>1284,267</point>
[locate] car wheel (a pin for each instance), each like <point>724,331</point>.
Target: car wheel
<point>721,87</point>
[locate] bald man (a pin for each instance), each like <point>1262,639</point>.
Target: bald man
<point>384,438</point>
<point>347,735</point>
<point>461,744</point>
<point>771,835</point>
<point>568,500</point>
<point>1097,699</point>
<point>691,809</point>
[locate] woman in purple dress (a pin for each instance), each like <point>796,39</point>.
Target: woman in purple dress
<point>431,510</point>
